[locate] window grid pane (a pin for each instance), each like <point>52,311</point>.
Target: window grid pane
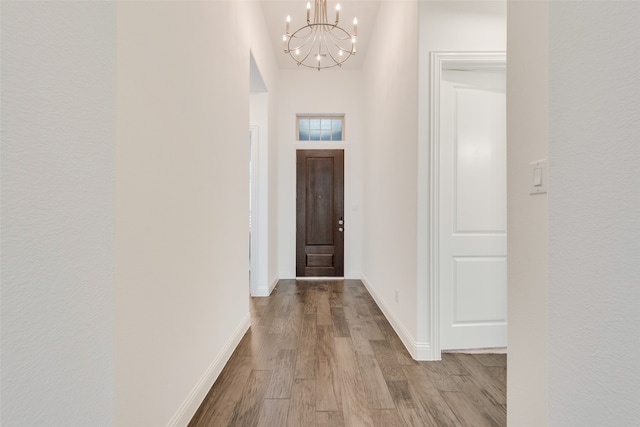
<point>324,128</point>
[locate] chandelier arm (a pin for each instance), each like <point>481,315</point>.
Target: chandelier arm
<point>336,41</point>
<point>322,39</point>
<point>334,36</point>
<point>305,39</point>
<point>313,36</point>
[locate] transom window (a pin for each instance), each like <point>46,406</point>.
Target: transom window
<point>320,127</point>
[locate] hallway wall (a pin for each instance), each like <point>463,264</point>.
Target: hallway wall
<point>181,203</point>
<point>391,167</point>
<point>527,215</point>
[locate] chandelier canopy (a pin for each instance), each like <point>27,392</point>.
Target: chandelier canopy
<point>320,44</point>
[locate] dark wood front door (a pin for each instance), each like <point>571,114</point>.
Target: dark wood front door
<point>320,213</point>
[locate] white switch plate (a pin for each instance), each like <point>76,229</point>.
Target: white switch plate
<point>538,176</point>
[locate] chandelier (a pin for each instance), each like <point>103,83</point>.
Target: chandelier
<point>320,44</point>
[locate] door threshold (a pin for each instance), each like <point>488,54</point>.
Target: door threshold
<point>320,278</point>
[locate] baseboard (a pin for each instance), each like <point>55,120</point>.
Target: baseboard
<point>273,284</point>
<point>265,291</point>
<point>417,350</point>
<point>202,387</point>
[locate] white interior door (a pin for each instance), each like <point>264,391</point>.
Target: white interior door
<point>473,223</point>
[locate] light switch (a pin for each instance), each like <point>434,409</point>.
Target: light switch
<point>539,178</point>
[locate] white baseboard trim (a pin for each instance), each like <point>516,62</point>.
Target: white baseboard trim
<point>417,350</point>
<point>265,291</point>
<point>191,404</point>
<point>273,284</point>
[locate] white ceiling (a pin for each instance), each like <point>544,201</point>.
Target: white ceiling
<point>276,11</point>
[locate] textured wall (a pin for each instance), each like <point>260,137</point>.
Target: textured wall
<point>58,112</point>
<point>594,214</point>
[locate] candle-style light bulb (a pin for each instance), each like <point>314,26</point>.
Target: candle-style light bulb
<point>287,24</point>
<point>337,13</point>
<point>308,11</point>
<point>355,26</point>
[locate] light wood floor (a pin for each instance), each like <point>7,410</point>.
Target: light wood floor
<point>323,354</point>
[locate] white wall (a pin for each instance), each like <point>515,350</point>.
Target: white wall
<point>390,165</point>
<point>58,110</point>
<point>326,91</point>
<point>594,213</point>
<point>527,135</point>
<point>182,203</point>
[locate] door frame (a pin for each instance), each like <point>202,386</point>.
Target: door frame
<point>441,61</point>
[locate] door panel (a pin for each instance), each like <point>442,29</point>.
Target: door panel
<point>320,209</point>
<point>473,219</point>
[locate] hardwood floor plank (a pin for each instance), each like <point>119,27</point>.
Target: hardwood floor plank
<point>391,369</point>
<point>360,340</point>
<point>499,373</point>
<point>399,390</point>
<point>352,315</point>
<point>267,358</point>
<point>492,360</point>
<point>340,325</point>
<point>354,400</point>
<point>328,385</point>
<point>311,301</point>
<point>302,411</point>
<point>478,396</point>
<point>407,411</point>
<point>386,418</point>
<point>467,413</point>
<point>252,341</point>
<point>291,331</point>
<point>375,387</point>
<point>400,352</point>
<point>225,393</point>
<point>282,378</point>
<point>493,387</point>
<point>274,412</point>
<point>307,349</point>
<point>429,403</point>
<point>437,374</point>
<point>247,410</point>
<point>337,297</point>
<point>452,365</point>
<point>329,419</point>
<point>323,309</point>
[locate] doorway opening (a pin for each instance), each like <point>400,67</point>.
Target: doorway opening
<point>467,201</point>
